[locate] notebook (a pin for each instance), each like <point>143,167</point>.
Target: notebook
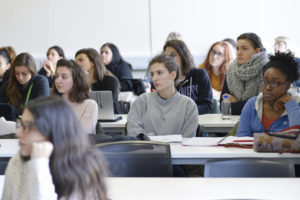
<point>105,106</point>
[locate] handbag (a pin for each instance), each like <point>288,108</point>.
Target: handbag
<point>287,140</point>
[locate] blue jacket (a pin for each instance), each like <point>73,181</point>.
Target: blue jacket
<point>251,117</point>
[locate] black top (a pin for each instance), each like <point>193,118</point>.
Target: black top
<point>109,83</point>
<point>237,107</point>
<point>297,83</point>
<point>40,88</point>
<point>44,73</point>
<point>196,85</point>
<point>5,78</point>
<point>121,70</point>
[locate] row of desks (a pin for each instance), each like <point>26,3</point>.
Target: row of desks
<point>208,122</point>
<point>182,154</point>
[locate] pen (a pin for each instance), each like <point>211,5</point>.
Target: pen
<point>242,140</point>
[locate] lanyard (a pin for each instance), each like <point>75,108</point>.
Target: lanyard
<point>28,94</point>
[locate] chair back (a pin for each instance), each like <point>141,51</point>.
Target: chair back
<point>249,167</point>
<point>137,158</point>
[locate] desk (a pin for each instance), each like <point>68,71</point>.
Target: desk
<point>209,122</point>
<point>199,154</point>
<point>115,127</point>
<point>214,123</point>
<point>203,188</point>
<point>9,147</point>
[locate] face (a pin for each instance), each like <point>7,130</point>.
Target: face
<point>161,78</point>
<point>216,56</point>
<point>274,77</point>
<point>106,55</point>
<point>23,75</point>
<point>3,66</point>
<point>28,133</point>
<point>244,51</point>
<point>53,56</point>
<point>172,52</point>
<point>63,80</point>
<point>280,47</point>
<point>85,62</point>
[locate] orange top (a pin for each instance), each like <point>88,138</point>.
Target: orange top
<point>267,122</point>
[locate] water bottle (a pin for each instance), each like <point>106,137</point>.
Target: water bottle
<point>226,108</point>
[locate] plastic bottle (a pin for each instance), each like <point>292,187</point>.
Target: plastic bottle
<point>226,108</point>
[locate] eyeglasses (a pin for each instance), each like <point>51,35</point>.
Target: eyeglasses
<point>26,126</point>
<point>273,84</point>
<point>219,54</point>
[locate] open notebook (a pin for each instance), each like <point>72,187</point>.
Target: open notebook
<point>105,106</point>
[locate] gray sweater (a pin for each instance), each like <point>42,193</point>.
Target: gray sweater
<point>152,115</point>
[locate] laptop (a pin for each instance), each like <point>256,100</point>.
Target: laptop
<point>105,106</point>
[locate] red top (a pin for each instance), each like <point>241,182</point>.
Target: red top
<point>267,122</point>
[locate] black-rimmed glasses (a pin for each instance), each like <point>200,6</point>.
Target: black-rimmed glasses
<point>273,84</point>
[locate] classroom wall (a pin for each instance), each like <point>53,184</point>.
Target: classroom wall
<point>139,27</point>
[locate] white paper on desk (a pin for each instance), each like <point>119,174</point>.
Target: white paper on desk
<point>238,140</point>
<point>201,141</point>
<point>166,138</point>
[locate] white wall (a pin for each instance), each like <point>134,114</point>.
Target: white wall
<point>139,27</point>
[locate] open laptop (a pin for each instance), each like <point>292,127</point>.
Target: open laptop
<point>105,106</point>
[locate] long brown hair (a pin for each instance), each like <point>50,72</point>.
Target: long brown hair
<point>228,58</point>
<point>14,96</point>
<point>81,84</point>
<point>99,68</point>
<point>77,169</point>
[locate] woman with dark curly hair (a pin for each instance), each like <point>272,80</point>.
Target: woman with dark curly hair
<point>71,82</point>
<point>55,161</point>
<point>275,108</point>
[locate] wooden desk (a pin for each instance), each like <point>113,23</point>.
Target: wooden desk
<point>203,188</point>
<point>199,154</point>
<point>9,147</point>
<point>214,123</point>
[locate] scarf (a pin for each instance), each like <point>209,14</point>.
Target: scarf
<point>244,81</point>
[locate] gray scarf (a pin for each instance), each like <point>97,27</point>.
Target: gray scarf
<point>244,81</point>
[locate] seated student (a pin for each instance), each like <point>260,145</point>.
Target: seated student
<point>24,84</point>
<point>100,78</point>
<point>275,108</point>
<point>7,55</point>
<point>165,111</point>
<point>216,63</point>
<point>71,82</point>
<point>56,161</point>
<point>49,66</point>
<point>193,82</point>
<point>244,74</point>
<point>114,62</point>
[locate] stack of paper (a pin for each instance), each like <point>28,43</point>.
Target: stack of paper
<point>201,141</point>
<point>166,138</point>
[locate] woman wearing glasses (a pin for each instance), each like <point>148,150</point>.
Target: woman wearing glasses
<point>216,63</point>
<point>245,73</point>
<point>275,108</point>
<point>55,161</point>
<point>192,82</point>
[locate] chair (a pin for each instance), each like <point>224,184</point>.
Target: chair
<point>249,167</point>
<point>137,158</point>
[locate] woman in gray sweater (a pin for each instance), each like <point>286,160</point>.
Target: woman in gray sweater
<point>165,111</point>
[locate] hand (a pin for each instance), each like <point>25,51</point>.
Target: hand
<point>41,150</point>
<point>49,67</point>
<point>231,98</point>
<point>279,104</point>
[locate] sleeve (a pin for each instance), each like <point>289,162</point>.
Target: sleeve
<point>237,107</point>
<point>40,183</point>
<point>244,128</point>
<point>9,181</point>
<point>190,121</point>
<point>135,123</point>
<point>41,88</point>
<point>293,111</point>
<point>89,117</point>
<point>205,94</point>
<point>125,70</point>
<point>3,96</point>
